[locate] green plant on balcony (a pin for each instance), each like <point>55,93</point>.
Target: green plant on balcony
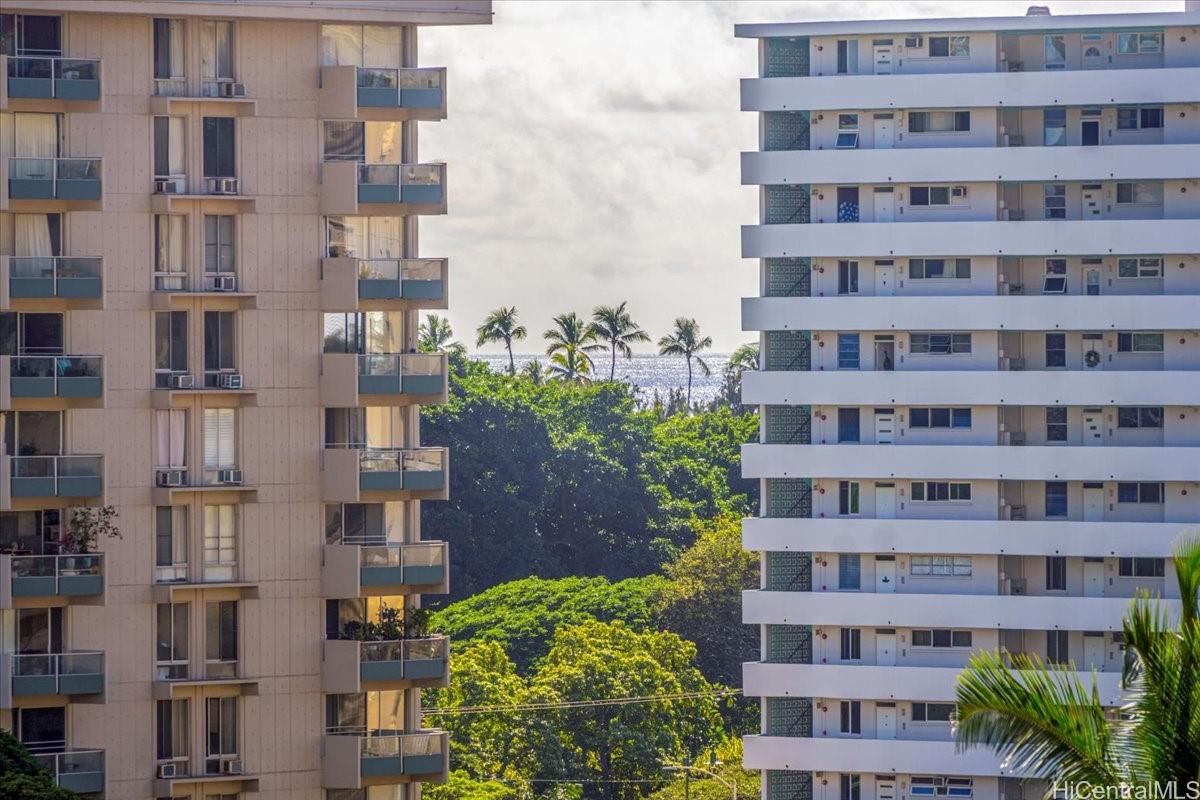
<point>86,526</point>
<point>393,624</point>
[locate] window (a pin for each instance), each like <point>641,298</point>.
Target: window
<point>219,439</point>
<point>216,51</point>
<point>851,644</point>
<point>848,427</point>
<point>1056,424</point>
<point>941,786</point>
<point>941,566</point>
<point>1140,267</point>
<point>1130,118</point>
<point>1056,573</point>
<point>847,57</point>
<point>846,141</point>
<point>1056,350</point>
<point>171,729</point>
<point>219,350</point>
<point>168,57</point>
<point>847,204</point>
<point>1056,648</point>
<point>1055,200</point>
<point>1056,498</point>
<point>1143,192</point>
<point>219,148</point>
<point>939,491</point>
<point>220,727</point>
<point>1140,492</point>
<point>170,245</point>
<point>221,639</point>
<point>932,712</point>
<point>1055,281</point>
<point>218,243</point>
<point>939,268</point>
<point>220,542</point>
<point>376,46</point>
<point>939,418</point>
<point>937,196</point>
<point>848,498</point>
<point>939,343</point>
<point>941,637</point>
<point>849,572</point>
<point>851,717</point>
<point>939,121</point>
<point>1139,417</point>
<point>1054,127</point>
<point>170,152</point>
<point>848,351</point>
<point>847,122</point>
<point>949,46</point>
<point>170,346</point>
<point>171,637</point>
<point>1132,342</point>
<point>365,237</point>
<point>851,787</point>
<point>30,35</point>
<point>847,277</point>
<point>355,523</point>
<point>1134,43</point>
<point>170,543</point>
<point>1141,567</point>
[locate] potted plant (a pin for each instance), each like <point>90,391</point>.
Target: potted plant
<point>86,525</point>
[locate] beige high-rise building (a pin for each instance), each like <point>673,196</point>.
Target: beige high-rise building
<point>210,282</point>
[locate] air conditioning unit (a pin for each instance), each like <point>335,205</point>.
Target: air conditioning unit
<point>182,382</point>
<point>230,380</point>
<point>231,766</point>
<point>168,186</point>
<point>167,770</point>
<point>231,89</point>
<point>229,477</point>
<point>171,477</point>
<point>223,283</point>
<point>914,41</point>
<point>221,185</point>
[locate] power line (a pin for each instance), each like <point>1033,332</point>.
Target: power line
<point>613,701</point>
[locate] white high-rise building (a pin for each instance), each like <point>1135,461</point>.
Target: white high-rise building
<point>979,315</point>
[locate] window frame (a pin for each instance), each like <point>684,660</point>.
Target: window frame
<point>924,706</point>
<point>954,341</point>
<point>1142,267</point>
<point>1128,342</point>
<point>1136,567</point>
<point>1141,492</point>
<point>941,566</point>
<point>952,488</point>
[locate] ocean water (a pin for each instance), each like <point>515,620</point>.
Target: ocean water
<point>644,371</point>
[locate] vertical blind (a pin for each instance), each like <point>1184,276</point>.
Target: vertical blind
<point>219,438</point>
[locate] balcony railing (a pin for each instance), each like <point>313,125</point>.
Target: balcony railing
<point>80,672</point>
<point>410,373</point>
<point>407,278</point>
<point>54,178</point>
<point>420,184</point>
<point>55,575</point>
<point>400,88</point>
<point>408,659</point>
<point>53,77</point>
<point>57,476</point>
<point>79,771</point>
<point>417,470</point>
<point>63,277</point>
<point>56,376</point>
<point>417,564</point>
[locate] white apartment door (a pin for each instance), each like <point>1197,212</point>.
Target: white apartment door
<point>885,574</point>
<point>1093,502</point>
<point>885,647</point>
<point>885,426</point>
<point>885,720</point>
<point>885,790</point>
<point>1093,651</point>
<point>885,277</point>
<point>1093,427</point>
<point>885,131</point>
<point>883,59</point>
<point>1092,283</point>
<point>1092,47</point>
<point>885,205</point>
<point>1093,201</point>
<point>1093,578</point>
<point>885,501</point>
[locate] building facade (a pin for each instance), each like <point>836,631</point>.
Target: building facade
<point>210,281</point>
<point>979,315</point>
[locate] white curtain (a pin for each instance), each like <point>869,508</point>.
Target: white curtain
<point>381,46</point>
<point>219,439</point>
<point>384,427</point>
<point>386,238</point>
<point>383,331</point>
<point>35,135</point>
<point>341,45</point>
<point>216,50</point>
<point>220,538</point>
<point>31,235</point>
<point>383,142</point>
<point>176,150</point>
<point>170,437</point>
<point>175,26</point>
<point>385,710</point>
<point>169,243</point>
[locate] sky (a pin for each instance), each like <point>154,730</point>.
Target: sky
<point>593,151</point>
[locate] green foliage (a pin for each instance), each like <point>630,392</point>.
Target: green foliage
<point>22,777</point>
<point>614,325</point>
<point>462,786</point>
<point>685,340</point>
<point>522,616</point>
<point>725,761</point>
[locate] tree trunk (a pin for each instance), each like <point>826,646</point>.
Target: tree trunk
<point>612,370</point>
<point>689,391</point>
<point>512,366</point>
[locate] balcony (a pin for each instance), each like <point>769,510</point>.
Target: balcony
<point>382,284</point>
<point>51,675</point>
<point>867,755</point>
<point>225,774</point>
<point>219,195</point>
<point>51,283</point>
<point>179,96</point>
<point>180,389</point>
<point>981,238</point>
<point>958,387</point>
<point>44,383</point>
<point>962,536</point>
<point>349,92</point>
<point>352,667</point>
<point>352,570</point>
<point>352,761</point>
<point>42,83</point>
<point>51,184</point>
<point>349,380</point>
<point>971,462</point>
<point>215,292</point>
<point>351,188</point>
<point>179,484</point>
<point>50,481</point>
<point>80,771</point>
<point>353,475</point>
<point>41,580</point>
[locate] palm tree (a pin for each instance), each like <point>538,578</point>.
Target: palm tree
<point>613,324</point>
<point>686,341</point>
<point>533,370</point>
<point>501,326</point>
<point>570,343</point>
<point>745,357</point>
<point>435,335</point>
<point>1044,721</point>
